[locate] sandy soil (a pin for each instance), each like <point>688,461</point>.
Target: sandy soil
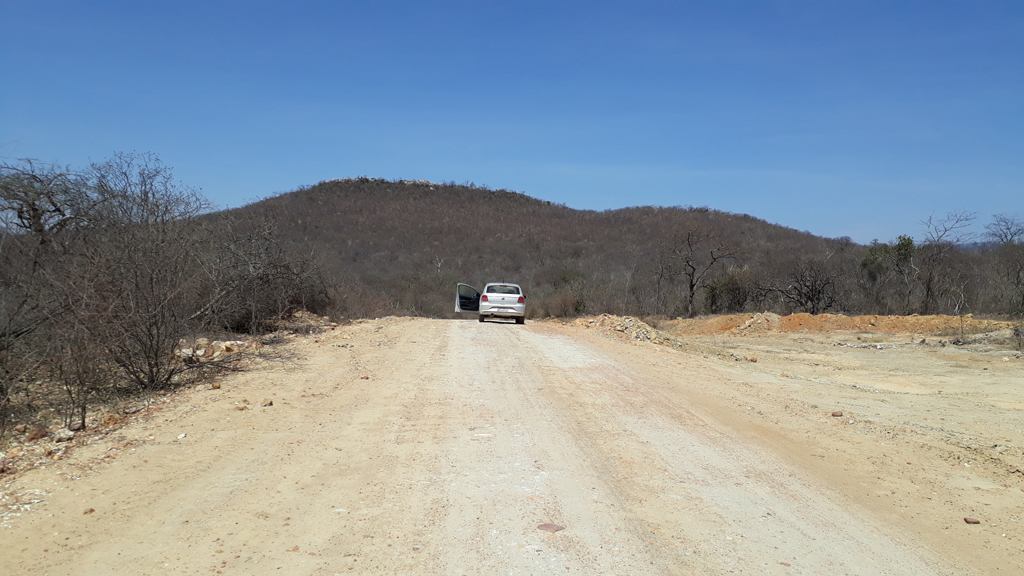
<point>410,446</point>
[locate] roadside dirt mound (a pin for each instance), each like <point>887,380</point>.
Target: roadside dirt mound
<point>630,328</point>
<point>768,322</point>
<point>627,327</point>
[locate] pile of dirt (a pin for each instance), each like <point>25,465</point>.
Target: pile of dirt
<point>630,328</point>
<point>627,327</point>
<point>768,322</point>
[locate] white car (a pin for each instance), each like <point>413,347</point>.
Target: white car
<point>498,300</point>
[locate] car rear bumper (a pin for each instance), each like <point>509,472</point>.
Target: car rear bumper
<point>502,311</point>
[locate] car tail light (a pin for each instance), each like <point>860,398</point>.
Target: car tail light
<point>483,298</point>
<point>522,299</point>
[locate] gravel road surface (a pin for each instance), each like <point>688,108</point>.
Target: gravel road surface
<point>411,446</point>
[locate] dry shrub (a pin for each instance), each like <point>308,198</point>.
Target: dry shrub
<point>104,271</point>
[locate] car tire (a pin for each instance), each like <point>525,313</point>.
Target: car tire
<point>481,317</point>
<point>520,319</point>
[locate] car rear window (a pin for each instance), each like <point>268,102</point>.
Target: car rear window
<point>502,289</point>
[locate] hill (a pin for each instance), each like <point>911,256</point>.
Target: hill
<point>399,247</point>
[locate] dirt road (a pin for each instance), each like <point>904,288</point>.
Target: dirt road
<point>410,446</point>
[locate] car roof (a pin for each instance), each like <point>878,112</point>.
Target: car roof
<point>501,284</point>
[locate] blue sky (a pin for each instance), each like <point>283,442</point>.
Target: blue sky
<point>842,118</point>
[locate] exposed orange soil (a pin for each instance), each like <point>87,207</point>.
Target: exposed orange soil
<point>740,324</point>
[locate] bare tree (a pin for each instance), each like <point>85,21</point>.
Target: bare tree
<point>43,199</point>
<point>810,286</point>
<point>951,230</point>
<point>942,237</point>
<point>1005,229</point>
<point>698,251</point>
<point>140,190</point>
<point>150,263</point>
<point>39,203</point>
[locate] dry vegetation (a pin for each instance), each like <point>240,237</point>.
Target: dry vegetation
<point>398,247</point>
<point>109,271</point>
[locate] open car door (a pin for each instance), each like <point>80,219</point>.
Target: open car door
<point>467,299</point>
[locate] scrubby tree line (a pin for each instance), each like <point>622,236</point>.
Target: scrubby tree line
<point>399,247</point>
<point>950,271</point>
<point>104,270</point>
